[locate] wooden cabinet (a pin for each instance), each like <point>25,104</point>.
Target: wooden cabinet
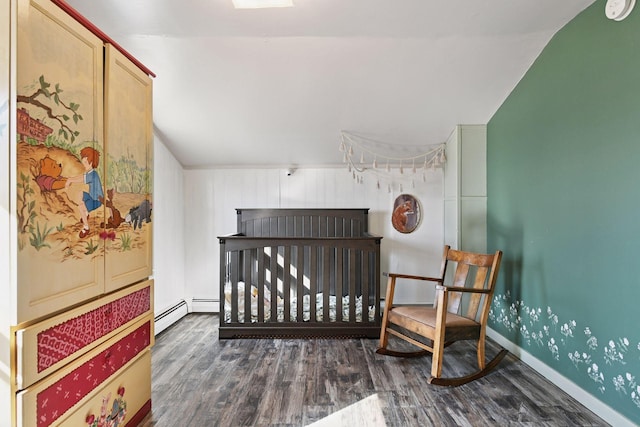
<point>59,86</point>
<point>465,189</point>
<point>79,135</point>
<point>64,115</point>
<point>128,144</point>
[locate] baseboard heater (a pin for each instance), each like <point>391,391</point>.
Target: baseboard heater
<point>205,305</point>
<point>170,316</point>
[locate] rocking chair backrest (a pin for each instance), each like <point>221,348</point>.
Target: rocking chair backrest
<point>472,271</point>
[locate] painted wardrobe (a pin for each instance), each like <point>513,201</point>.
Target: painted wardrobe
<point>80,135</point>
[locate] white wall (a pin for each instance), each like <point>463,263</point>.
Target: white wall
<point>169,238</point>
<point>212,195</point>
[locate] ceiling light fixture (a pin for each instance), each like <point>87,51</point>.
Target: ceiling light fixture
<point>261,4</point>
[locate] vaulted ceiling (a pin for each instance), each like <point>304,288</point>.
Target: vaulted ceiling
<point>274,87</point>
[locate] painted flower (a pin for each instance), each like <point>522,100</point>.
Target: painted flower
<point>619,384</point>
<point>635,396</point>
<point>624,343</point>
<point>538,337</point>
<point>553,348</point>
<point>534,315</point>
<point>611,353</point>
<point>596,375</point>
<point>631,380</point>
<point>566,330</point>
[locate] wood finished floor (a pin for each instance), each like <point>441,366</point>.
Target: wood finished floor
<point>199,380</point>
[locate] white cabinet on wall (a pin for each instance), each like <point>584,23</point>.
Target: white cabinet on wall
<point>465,189</point>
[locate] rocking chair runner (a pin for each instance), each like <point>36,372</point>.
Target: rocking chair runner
<point>445,322</point>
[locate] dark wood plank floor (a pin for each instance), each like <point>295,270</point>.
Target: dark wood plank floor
<point>201,381</point>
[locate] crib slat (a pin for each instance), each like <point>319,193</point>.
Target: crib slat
<point>260,283</point>
<point>365,275</point>
<point>353,267</point>
<point>356,228</point>
<point>300,283</point>
<point>274,283</point>
<point>326,282</point>
<point>235,259</point>
<point>297,227</point>
<point>340,227</point>
<point>331,226</point>
<point>246,261</point>
<point>290,226</point>
<point>313,283</point>
<point>339,282</point>
<point>286,282</point>
<point>323,226</point>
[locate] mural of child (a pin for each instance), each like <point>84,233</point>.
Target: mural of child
<point>90,200</point>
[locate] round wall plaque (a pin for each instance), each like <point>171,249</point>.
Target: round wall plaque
<point>406,213</point>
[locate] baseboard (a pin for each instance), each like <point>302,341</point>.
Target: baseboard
<point>170,316</point>
<point>205,305</point>
<point>598,407</point>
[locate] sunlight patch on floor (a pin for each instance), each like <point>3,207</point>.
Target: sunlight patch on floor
<point>366,412</point>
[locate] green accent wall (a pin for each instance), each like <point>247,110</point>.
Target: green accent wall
<point>563,157</point>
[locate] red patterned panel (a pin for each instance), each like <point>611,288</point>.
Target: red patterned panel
<point>61,396</point>
<point>60,341</point>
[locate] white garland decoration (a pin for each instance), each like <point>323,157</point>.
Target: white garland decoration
<point>395,164</point>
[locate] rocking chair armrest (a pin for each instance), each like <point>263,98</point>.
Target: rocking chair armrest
<point>461,289</point>
<point>410,276</point>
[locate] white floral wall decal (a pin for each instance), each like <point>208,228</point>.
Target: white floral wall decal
<point>560,337</point>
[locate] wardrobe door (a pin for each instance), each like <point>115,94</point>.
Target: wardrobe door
<point>59,101</point>
<point>128,142</point>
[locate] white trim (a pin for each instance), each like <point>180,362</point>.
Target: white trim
<point>598,407</point>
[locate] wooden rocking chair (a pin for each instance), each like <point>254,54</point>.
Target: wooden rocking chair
<point>452,318</point>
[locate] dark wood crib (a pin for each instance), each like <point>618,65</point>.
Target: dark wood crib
<point>300,273</point>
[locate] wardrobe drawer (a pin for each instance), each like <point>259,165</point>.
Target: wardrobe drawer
<point>45,347</point>
<point>117,372</point>
<point>123,401</point>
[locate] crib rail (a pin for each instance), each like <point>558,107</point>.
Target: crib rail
<point>302,222</point>
<point>299,286</point>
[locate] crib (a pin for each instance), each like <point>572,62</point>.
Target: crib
<point>300,273</point>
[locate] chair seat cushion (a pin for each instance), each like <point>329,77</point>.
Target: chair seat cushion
<point>427,316</point>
